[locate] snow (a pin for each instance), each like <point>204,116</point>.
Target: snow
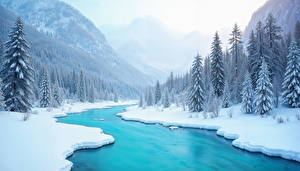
<point>40,143</point>
<point>248,131</point>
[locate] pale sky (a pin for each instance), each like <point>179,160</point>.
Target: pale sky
<point>205,16</point>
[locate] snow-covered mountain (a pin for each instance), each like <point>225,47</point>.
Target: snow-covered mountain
<point>287,12</point>
<point>66,25</point>
<point>147,40</point>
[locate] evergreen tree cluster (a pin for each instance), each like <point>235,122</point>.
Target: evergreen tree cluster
<point>24,81</point>
<point>255,76</point>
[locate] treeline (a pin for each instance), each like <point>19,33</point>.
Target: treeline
<point>257,75</point>
<point>24,81</point>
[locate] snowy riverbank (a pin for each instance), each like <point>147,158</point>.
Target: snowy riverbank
<point>248,131</point>
<point>40,143</point>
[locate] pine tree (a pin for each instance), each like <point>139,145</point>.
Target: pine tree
<point>170,82</point>
<point>16,72</point>
<point>45,93</point>
<point>157,93</point>
<point>247,94</point>
<point>81,88</point>
<point>291,84</point>
<point>57,99</point>
<point>235,47</point>
<point>262,52</point>
<point>217,66</point>
<point>166,100</point>
<point>149,99</point>
<point>74,83</point>
<point>2,102</point>
<point>91,96</point>
<point>196,95</point>
<point>252,55</point>
<point>226,96</point>
<point>263,91</point>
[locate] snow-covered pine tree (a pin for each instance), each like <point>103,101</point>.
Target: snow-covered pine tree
<point>206,76</point>
<point>196,95</point>
<point>57,99</point>
<point>91,96</point>
<point>276,66</point>
<point>226,96</point>
<point>237,64</point>
<point>263,91</point>
<point>45,91</point>
<point>166,100</point>
<point>170,82</point>
<point>252,58</point>
<point>235,47</point>
<point>149,99</point>
<point>74,83</point>
<point>157,93</point>
<point>291,83</point>
<point>262,52</point>
<point>16,72</point>
<point>81,88</point>
<point>247,94</point>
<point>217,67</point>
<point>2,102</point>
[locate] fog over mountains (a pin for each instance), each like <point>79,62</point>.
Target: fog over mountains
<point>148,41</point>
<point>71,40</point>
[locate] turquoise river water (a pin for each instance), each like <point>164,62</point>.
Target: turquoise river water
<point>150,147</point>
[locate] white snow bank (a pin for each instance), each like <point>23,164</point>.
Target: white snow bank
<point>248,131</point>
<point>41,143</point>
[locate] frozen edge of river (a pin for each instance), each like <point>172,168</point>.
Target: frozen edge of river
<point>104,139</point>
<point>289,155</point>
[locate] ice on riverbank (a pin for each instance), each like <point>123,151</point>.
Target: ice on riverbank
<point>248,131</point>
<point>40,143</point>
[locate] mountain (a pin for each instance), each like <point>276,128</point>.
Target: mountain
<point>147,40</point>
<point>67,27</point>
<point>287,12</point>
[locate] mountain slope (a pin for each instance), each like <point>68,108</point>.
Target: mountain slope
<point>150,41</point>
<point>66,25</point>
<point>287,12</point>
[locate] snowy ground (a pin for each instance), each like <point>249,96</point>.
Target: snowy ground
<point>42,144</point>
<point>248,131</point>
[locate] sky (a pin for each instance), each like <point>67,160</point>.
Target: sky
<point>205,16</point>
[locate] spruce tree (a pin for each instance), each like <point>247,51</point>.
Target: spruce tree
<point>2,102</point>
<point>252,55</point>
<point>57,99</point>
<point>91,96</point>
<point>16,72</point>
<point>217,67</point>
<point>247,94</point>
<point>263,91</point>
<point>81,88</point>
<point>166,100</point>
<point>291,83</point>
<point>235,47</point>
<point>276,65</point>
<point>45,93</point>
<point>226,96</point>
<point>149,99</point>
<point>196,95</point>
<point>157,93</point>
